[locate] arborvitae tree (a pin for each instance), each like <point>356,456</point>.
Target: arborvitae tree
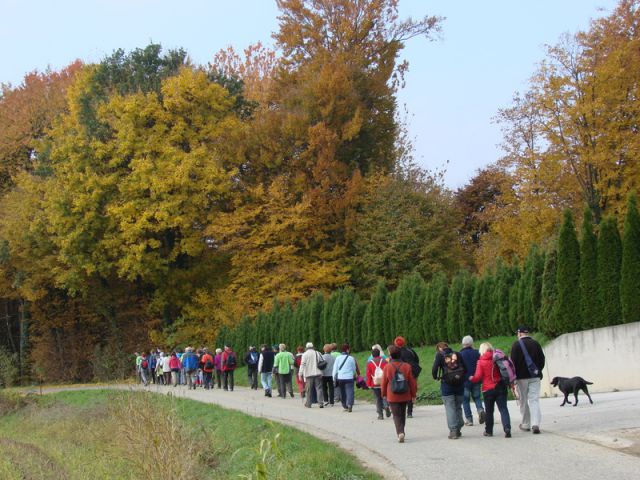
<point>588,272</point>
<point>418,294</point>
<point>465,323</point>
<point>441,302</point>
<point>427,319</point>
<point>316,309</point>
<point>513,318</point>
<point>378,301</point>
<point>355,323</point>
<point>568,277</point>
<point>500,299</point>
<point>534,267</point>
<point>336,316</point>
<point>453,307</point>
<point>325,324</point>
<point>348,295</point>
<point>488,306</point>
<point>479,321</point>
<point>368,329</point>
<point>609,264</point>
<point>630,272</point>
<point>287,327</point>
<point>549,295</point>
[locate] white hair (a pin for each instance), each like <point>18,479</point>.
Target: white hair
<point>467,341</point>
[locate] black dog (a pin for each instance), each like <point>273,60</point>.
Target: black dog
<point>569,385</point>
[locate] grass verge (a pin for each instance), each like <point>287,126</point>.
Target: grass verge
<point>124,435</point>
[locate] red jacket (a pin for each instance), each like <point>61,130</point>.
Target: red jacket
<point>225,354</point>
<point>174,362</point>
<point>371,369</point>
<point>203,361</point>
<point>486,372</point>
<point>389,371</point>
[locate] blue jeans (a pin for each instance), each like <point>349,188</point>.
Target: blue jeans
<point>265,379</point>
<point>453,409</point>
<point>346,392</point>
<point>472,391</point>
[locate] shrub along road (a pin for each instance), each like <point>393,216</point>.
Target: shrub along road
<point>590,441</point>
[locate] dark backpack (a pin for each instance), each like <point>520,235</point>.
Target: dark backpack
<point>230,362</point>
<point>208,365</point>
<point>399,383</point>
<point>453,370</point>
<point>505,367</point>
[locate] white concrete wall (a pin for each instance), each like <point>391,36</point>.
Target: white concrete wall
<point>609,357</point>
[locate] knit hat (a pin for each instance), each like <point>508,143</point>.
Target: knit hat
<point>399,342</point>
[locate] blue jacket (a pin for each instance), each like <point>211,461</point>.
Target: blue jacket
<point>344,367</point>
<point>470,357</point>
<point>190,361</point>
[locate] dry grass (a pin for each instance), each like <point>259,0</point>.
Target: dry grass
<point>160,447</point>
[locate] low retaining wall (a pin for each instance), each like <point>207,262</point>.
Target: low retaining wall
<point>609,357</point>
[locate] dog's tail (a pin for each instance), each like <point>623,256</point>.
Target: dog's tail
<point>588,383</point>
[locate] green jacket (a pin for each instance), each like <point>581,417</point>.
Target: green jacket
<point>283,362</point>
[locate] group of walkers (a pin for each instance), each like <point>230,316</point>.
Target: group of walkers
<point>325,377</point>
<point>198,368</point>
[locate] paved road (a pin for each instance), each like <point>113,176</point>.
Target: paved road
<point>585,442</point>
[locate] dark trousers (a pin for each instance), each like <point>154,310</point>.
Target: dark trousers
<point>167,378</point>
<point>381,403</point>
<point>399,412</point>
<point>252,374</point>
<point>346,393</point>
<point>219,378</point>
<point>327,389</point>
<point>410,408</point>
<point>228,380</point>
<point>284,379</point>
<point>207,377</point>
<point>496,396</point>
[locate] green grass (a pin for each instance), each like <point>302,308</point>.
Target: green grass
<point>428,389</point>
<point>113,435</point>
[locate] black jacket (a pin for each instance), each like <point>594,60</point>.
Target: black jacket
<point>267,361</point>
<point>409,356</point>
<point>535,352</point>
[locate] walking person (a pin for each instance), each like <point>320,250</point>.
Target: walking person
<point>144,369</point>
<point>494,390</point>
<point>229,362</point>
<point>174,365</point>
<point>327,376</point>
<point>217,364</point>
<point>311,373</point>
<point>408,355</point>
<point>190,363</point>
<point>398,389</point>
<point>470,356</point>
<point>284,364</point>
<point>296,364</point>
<point>528,359</point>
<point>375,372</point>
<point>166,369</point>
<point>207,365</point>
<point>159,366</point>
<point>449,368</point>
<point>265,367</point>
<point>345,370</point>
<point>153,362</point>
<point>251,359</point>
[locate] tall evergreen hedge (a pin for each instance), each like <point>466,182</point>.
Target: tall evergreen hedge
<point>568,277</point>
<point>630,269</point>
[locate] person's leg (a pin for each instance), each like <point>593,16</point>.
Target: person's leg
<point>501,401</point>
<point>319,389</point>
<point>225,380</point>
<point>449,402</point>
<point>281,386</point>
<point>219,378</point>
<point>308,386</point>
<point>477,398</point>
<point>231,373</point>
<point>325,389</point>
<point>466,407</point>
<point>533,398</point>
<point>288,382</point>
<point>167,378</point>
<point>409,409</point>
<point>342,384</point>
<point>263,381</point>
<point>489,403</point>
<point>523,393</point>
<point>349,389</point>
<point>378,396</point>
<point>459,417</point>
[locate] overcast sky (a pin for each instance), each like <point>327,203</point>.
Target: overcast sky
<point>455,85</point>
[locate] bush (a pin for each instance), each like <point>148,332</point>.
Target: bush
<point>8,368</point>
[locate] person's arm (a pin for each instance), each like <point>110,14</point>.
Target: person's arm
<point>436,366</point>
<point>385,382</point>
<point>357,368</point>
<point>413,385</point>
<point>478,374</point>
<point>260,363</point>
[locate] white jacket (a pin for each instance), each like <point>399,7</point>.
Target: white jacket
<point>309,364</point>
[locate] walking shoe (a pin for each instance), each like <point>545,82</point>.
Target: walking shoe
<point>487,434</point>
<point>409,415</point>
<point>468,423</point>
<point>345,410</point>
<point>507,434</point>
<point>453,435</point>
<point>350,412</point>
<point>482,416</point>
<point>388,412</point>
<point>536,429</point>
<point>380,417</point>
<point>401,438</point>
<point>326,403</point>
<point>458,433</point>
<point>291,393</point>
<point>321,406</point>
<point>523,428</point>
<point>307,406</point>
